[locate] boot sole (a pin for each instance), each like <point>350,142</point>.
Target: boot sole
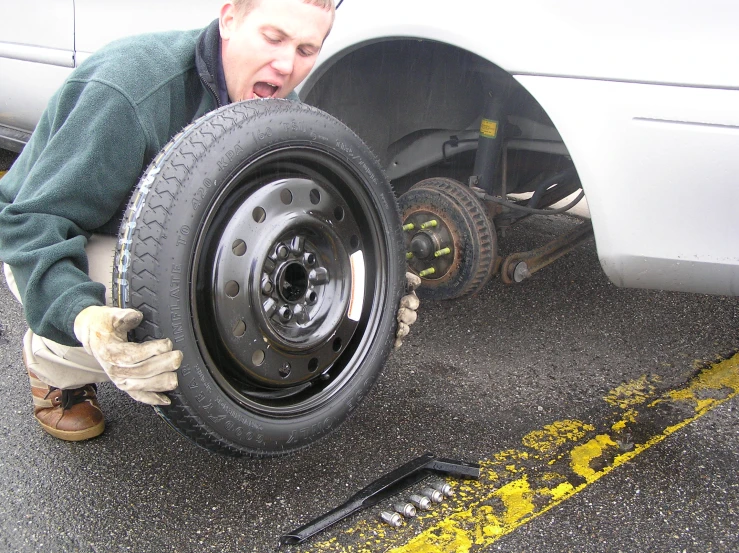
<point>74,435</point>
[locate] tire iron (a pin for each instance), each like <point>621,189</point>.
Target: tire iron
<point>385,487</point>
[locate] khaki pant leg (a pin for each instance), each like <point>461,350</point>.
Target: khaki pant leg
<point>63,366</point>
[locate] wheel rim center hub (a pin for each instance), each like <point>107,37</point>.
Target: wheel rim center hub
<point>293,282</point>
<point>422,246</point>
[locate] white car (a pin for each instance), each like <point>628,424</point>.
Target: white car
<point>481,113</point>
<point>642,97</point>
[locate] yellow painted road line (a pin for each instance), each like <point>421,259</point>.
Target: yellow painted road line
<point>552,465</point>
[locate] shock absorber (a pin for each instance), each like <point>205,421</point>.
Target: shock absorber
<point>490,143</point>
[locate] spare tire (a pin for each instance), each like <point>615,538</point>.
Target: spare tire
<point>266,243</point>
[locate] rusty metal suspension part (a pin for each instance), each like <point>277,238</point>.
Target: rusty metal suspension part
<point>519,266</point>
<point>450,241</point>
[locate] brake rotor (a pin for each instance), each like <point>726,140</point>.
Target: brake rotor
<point>450,241</point>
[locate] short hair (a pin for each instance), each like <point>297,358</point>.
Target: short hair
<point>245,6</point>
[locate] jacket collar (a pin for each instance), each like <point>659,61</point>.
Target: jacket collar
<point>208,63</point>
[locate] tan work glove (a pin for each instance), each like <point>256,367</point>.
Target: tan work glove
<point>141,370</point>
<point>408,306</point>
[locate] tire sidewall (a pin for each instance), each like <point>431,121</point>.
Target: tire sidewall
<point>249,132</point>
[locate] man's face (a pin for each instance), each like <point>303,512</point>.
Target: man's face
<point>270,50</point>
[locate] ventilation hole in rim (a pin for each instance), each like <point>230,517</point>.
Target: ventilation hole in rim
<point>259,215</point>
<point>232,289</point>
<point>257,357</point>
<point>238,247</point>
<point>315,196</point>
<point>239,329</point>
<point>286,196</point>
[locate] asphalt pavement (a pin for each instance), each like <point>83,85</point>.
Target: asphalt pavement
<point>475,380</point>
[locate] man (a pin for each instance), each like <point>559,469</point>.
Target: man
<point>99,132</point>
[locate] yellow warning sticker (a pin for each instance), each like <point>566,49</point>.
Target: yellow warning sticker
<point>489,129</point>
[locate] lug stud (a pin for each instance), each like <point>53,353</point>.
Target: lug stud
<point>409,255</point>
<point>409,227</point>
<point>444,251</point>
<point>427,272</point>
<point>282,251</point>
<point>430,224</point>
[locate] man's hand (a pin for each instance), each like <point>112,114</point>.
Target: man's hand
<point>141,370</point>
<point>408,306</point>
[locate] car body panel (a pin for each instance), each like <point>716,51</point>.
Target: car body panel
<point>642,94</point>
<point>659,168</point>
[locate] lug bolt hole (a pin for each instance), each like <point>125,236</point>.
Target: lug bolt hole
<point>311,298</point>
<point>315,196</point>
<point>337,345</point>
<point>259,214</point>
<point>257,357</point>
<point>239,329</point>
<point>309,259</point>
<point>286,196</point>
<point>339,213</point>
<point>313,364</point>
<point>232,289</point>
<point>286,313</point>
<point>354,242</point>
<point>238,247</point>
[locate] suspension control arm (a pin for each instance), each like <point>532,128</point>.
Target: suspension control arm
<point>520,266</point>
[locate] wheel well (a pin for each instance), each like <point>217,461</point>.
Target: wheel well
<point>407,97</point>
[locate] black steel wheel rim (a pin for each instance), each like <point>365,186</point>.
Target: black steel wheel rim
<point>279,311</point>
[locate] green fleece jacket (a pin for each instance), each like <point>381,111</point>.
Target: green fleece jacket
<point>99,132</point>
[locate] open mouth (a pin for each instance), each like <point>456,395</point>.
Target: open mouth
<point>265,90</point>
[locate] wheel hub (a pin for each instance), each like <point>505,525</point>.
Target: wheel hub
<point>430,244</point>
<point>281,282</point>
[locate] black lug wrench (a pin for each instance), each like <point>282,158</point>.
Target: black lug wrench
<point>392,483</point>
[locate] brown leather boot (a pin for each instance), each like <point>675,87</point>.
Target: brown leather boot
<point>71,415</point>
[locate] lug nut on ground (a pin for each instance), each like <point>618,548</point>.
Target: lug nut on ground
<point>434,495</point>
<point>405,509</point>
<point>420,502</point>
<point>393,519</point>
<point>443,487</point>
